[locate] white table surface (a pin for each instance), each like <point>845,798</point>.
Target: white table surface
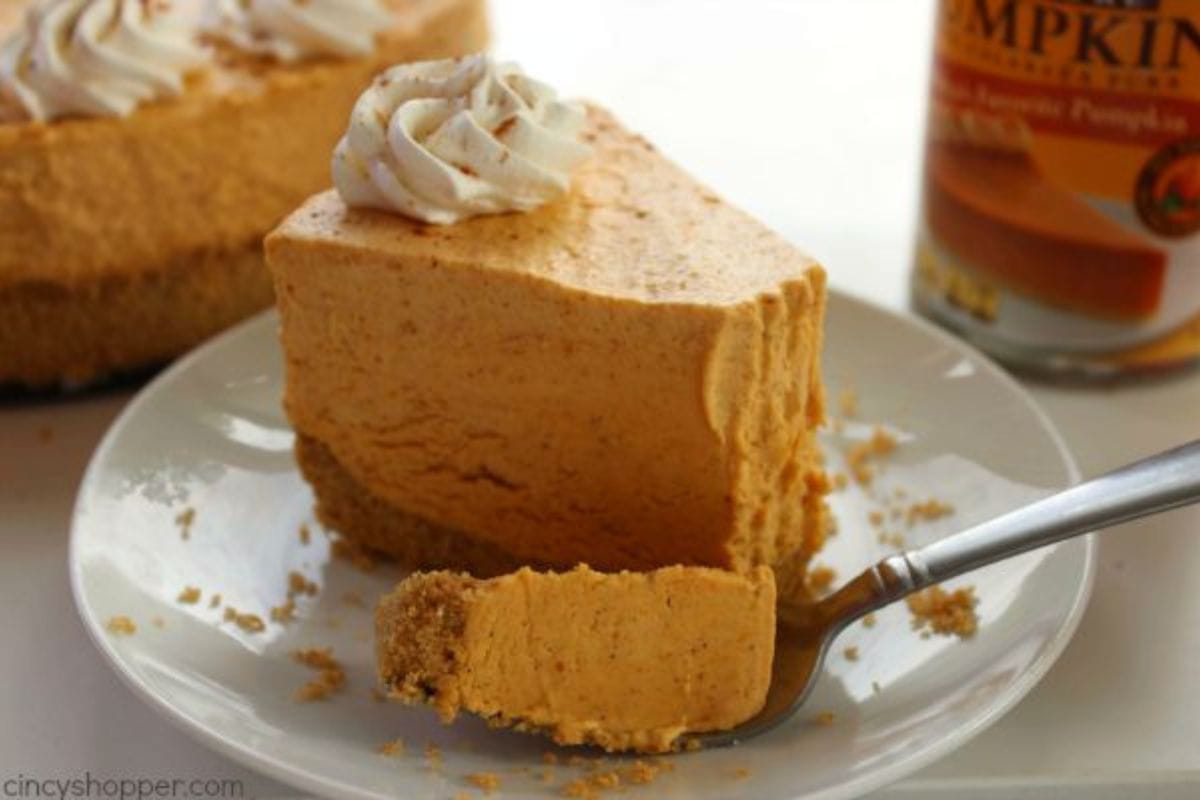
<point>807,113</point>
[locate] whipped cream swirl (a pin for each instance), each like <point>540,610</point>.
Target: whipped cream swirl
<point>291,30</point>
<point>98,57</point>
<point>441,141</point>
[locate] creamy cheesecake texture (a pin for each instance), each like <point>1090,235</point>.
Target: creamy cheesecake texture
<point>626,661</point>
<point>94,209</point>
<point>627,376</point>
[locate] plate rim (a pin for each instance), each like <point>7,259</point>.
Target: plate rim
<point>296,775</point>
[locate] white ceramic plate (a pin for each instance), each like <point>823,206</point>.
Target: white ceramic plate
<point>209,435</point>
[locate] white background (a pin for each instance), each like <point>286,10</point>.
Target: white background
<point>807,113</point>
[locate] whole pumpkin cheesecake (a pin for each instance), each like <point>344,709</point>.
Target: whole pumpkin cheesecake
<point>147,147</point>
<point>625,661</point>
<point>517,334</point>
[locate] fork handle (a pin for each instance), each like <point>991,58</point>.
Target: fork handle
<point>1158,483</point>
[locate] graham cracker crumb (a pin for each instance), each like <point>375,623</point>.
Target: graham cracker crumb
<point>927,511</point>
<point>547,775</point>
<point>840,481</point>
<point>820,579</point>
<point>605,780</point>
<point>393,748</point>
<point>741,773</point>
<point>895,540</point>
<point>859,456</point>
<point>487,781</point>
<point>433,754</point>
<point>316,658</point>
<point>868,620</point>
<point>592,785</point>
<point>184,520</point>
<point>350,551</point>
<point>692,744</point>
<point>300,585</point>
<point>305,535</point>
<point>944,613</point>
<point>642,772</point>
<point>851,653</point>
<point>875,518</point>
<point>579,788</point>
<point>285,613</point>
<point>251,623</point>
<point>121,625</point>
<point>462,796</point>
<point>824,718</point>
<point>330,678</point>
<point>215,601</point>
<point>189,595</point>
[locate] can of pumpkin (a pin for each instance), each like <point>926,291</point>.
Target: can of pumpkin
<point>1060,209</point>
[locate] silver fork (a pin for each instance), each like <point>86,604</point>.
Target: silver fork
<point>1164,481</point>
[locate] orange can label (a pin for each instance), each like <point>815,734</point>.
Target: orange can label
<point>1061,201</point>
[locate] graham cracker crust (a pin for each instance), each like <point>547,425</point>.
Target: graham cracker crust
<point>54,336</point>
<point>415,543</point>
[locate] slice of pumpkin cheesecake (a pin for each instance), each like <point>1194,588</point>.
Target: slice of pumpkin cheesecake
<point>625,661</point>
<point>515,324</point>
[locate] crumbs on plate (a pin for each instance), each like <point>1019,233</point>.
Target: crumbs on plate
<point>121,625</point>
<point>330,678</point>
<point>860,456</point>
<point>946,613</point>
<point>927,511</point>
<point>250,623</point>
<point>300,585</point>
<point>639,773</point>
<point>184,520</point>
<point>284,613</point>
<point>487,781</point>
<point>189,595</point>
<point>394,747</point>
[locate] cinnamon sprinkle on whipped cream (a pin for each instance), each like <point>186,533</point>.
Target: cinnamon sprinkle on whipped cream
<point>443,141</point>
